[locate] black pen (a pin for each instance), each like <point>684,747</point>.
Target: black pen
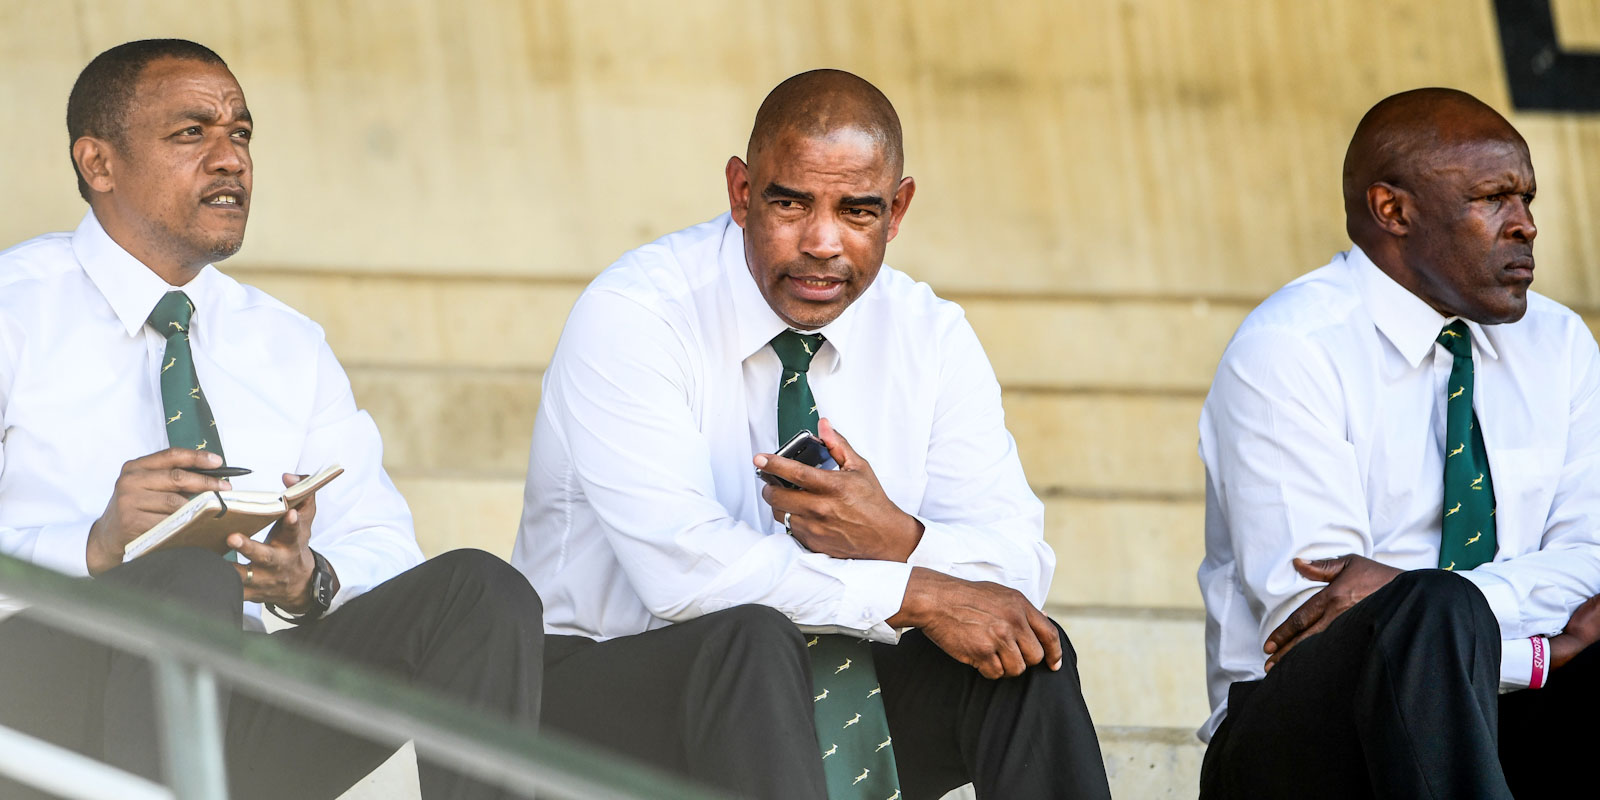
<point>220,472</point>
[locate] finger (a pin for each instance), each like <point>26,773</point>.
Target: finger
<point>259,553</point>
<point>1322,569</point>
<point>177,479</point>
<point>792,471</point>
<point>177,457</point>
<point>159,503</point>
<point>1049,638</point>
<point>989,666</point>
<point>793,501</point>
<point>1303,617</point>
<point>843,454</point>
<point>290,531</point>
<point>1029,647</point>
<point>1011,661</point>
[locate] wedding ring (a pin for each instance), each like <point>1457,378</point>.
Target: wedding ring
<point>786,520</point>
<point>249,574</point>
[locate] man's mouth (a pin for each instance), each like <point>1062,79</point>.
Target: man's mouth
<point>1520,269</point>
<point>224,198</point>
<point>816,289</point>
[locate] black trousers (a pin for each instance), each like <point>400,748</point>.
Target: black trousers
<point>1399,698</point>
<point>726,699</point>
<point>464,624</point>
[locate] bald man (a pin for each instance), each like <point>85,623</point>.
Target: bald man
<point>1402,454</point>
<point>870,631</point>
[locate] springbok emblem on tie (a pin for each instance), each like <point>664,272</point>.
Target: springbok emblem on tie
<point>853,720</point>
<point>1477,483</point>
<point>863,776</point>
<point>175,418</point>
<point>883,744</point>
<point>1459,390</point>
<point>821,697</point>
<point>842,667</point>
<point>1453,510</point>
<point>1475,538</point>
<point>792,379</point>
<point>174,324</point>
<point>169,364</point>
<point>1457,451</point>
<point>830,751</point>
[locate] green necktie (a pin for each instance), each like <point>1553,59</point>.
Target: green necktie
<point>852,730</point>
<point>1468,529</point>
<point>189,420</point>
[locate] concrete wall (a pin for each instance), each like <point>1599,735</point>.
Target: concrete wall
<point>1108,187</point>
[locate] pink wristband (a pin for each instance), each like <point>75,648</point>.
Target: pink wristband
<point>1541,665</point>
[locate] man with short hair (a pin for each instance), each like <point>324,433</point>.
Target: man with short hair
<point>128,366</point>
<point>675,578</point>
<point>1402,453</point>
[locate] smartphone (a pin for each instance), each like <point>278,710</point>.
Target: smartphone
<point>805,448</point>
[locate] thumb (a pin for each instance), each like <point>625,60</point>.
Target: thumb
<point>838,447</point>
<point>1322,569</point>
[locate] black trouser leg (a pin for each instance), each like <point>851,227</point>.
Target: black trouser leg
<point>95,699</point>
<point>1028,736</point>
<point>1546,732</point>
<point>1397,698</point>
<point>724,699</point>
<point>464,624</point>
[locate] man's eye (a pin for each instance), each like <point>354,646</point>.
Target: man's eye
<point>858,213</point>
<point>243,133</point>
<point>192,130</point>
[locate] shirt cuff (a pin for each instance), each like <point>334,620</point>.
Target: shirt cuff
<point>352,583</point>
<point>1516,664</point>
<point>939,549</point>
<point>873,592</point>
<point>64,548</point>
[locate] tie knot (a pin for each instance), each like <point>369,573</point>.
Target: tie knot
<point>172,314</point>
<point>1457,339</point>
<point>796,349</point>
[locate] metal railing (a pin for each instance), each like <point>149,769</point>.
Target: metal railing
<point>189,652</point>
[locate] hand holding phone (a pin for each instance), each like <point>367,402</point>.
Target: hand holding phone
<point>805,448</point>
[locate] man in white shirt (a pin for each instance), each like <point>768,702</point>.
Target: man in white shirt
<point>127,363</point>
<point>1402,453</point>
<point>672,590</point>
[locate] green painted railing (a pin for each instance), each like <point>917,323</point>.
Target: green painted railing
<point>192,654</point>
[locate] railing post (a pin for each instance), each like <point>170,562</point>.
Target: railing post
<point>191,730</point>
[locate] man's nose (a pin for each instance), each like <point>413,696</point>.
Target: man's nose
<point>821,240</point>
<point>225,156</point>
<point>1521,226</point>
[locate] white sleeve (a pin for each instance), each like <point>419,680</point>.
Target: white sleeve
<point>1535,593</point>
<point>1272,435</point>
<point>982,522</point>
<point>362,525</point>
<point>62,547</point>
<point>618,390</point>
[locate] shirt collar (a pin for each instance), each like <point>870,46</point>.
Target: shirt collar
<point>131,288</point>
<point>756,323</point>
<point>1406,320</point>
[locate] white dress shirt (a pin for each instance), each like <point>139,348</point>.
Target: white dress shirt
<point>80,395</point>
<point>643,507</point>
<point>1323,434</point>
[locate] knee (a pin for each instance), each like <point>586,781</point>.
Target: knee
<point>496,584</point>
<point>1426,598</point>
<point>185,573</point>
<point>759,632</point>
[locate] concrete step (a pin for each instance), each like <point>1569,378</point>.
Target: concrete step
<point>1142,764</point>
<point>1109,552</point>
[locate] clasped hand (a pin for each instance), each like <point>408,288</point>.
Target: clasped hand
<point>1350,579</point>
<point>152,487</point>
<point>842,513</point>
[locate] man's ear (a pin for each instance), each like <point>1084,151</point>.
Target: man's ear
<point>738,189</point>
<point>1390,207</point>
<point>902,201</point>
<point>93,157</point>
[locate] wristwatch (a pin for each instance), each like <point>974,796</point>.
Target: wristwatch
<point>321,593</point>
